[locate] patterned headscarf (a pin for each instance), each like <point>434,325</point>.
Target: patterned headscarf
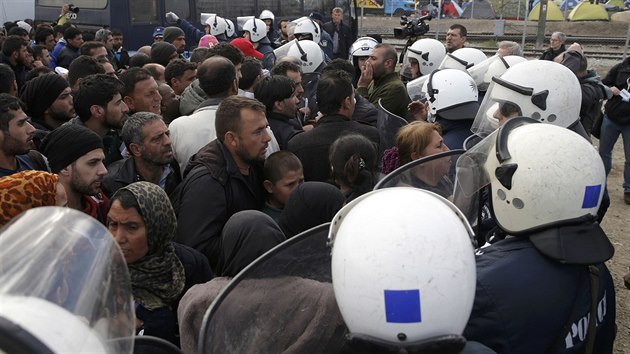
<point>25,190</point>
<point>158,278</point>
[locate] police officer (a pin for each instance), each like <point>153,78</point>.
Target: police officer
<point>544,288</point>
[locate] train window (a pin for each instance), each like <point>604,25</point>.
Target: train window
<point>180,7</point>
<point>81,4</point>
<point>143,11</point>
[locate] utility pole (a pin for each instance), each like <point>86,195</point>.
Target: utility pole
<point>542,21</point>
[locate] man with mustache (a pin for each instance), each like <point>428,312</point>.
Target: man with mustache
<point>75,153</point>
<point>146,138</point>
<point>100,106</point>
<point>16,138</point>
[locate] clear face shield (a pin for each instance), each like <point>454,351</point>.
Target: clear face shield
<point>254,306</point>
<point>452,62</point>
<point>283,50</point>
<point>505,100</point>
<point>478,72</point>
<point>414,88</point>
<point>67,282</point>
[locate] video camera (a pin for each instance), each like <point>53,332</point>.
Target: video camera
<point>412,28</point>
<point>72,8</point>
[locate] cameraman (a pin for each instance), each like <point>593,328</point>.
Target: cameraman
<point>63,17</point>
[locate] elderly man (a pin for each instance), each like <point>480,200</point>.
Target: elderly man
<point>556,46</point>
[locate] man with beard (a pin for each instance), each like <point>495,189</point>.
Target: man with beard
<point>141,91</point>
<point>14,54</point>
<point>16,138</point>
<point>101,109</point>
<point>224,177</point>
<point>151,157</point>
<point>75,153</point>
<point>49,103</point>
<point>380,81</point>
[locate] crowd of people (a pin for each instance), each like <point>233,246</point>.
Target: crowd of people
<point>198,161</point>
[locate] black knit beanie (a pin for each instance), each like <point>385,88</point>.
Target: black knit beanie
<point>67,143</point>
<point>161,52</point>
<point>41,92</point>
<point>171,33</point>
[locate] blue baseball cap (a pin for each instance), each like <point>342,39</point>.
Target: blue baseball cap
<point>158,32</point>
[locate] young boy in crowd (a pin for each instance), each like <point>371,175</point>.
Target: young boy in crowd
<point>283,172</point>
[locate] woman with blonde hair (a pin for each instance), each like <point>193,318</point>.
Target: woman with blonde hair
<point>414,141</point>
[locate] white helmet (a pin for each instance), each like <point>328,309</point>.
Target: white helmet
<point>452,94</point>
<point>229,30</point>
<point>463,59</point>
<point>266,15</point>
<point>257,29</point>
<point>308,26</point>
<point>362,47</point>
<point>217,25</point>
<point>539,174</point>
<point>498,67</point>
<point>428,52</point>
<point>401,276</point>
<point>309,52</point>
<point>543,90</point>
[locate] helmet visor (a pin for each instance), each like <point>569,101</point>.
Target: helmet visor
<point>414,88</point>
<point>479,70</point>
<point>495,109</point>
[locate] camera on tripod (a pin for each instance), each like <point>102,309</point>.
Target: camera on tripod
<point>415,27</point>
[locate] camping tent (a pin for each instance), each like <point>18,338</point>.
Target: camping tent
<point>553,12</point>
<point>586,11</point>
<point>623,16</point>
<point>616,3</point>
<point>568,4</point>
<point>480,9</point>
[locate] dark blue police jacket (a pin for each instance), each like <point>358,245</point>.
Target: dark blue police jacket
<point>524,300</point>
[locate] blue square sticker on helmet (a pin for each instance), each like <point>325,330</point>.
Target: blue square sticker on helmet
<point>591,196</point>
<point>402,306</point>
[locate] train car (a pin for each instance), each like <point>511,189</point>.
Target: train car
<point>138,18</point>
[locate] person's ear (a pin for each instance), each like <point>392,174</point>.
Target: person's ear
<point>268,186</point>
<point>135,149</point>
<point>414,156</point>
<point>129,102</point>
<point>277,105</point>
<point>230,139</point>
<point>65,171</point>
<point>96,111</point>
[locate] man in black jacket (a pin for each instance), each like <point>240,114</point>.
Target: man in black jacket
<point>278,94</point>
<point>336,101</point>
<point>151,157</point>
<point>340,33</point>
<point>14,54</point>
<point>74,40</point>
<point>224,177</point>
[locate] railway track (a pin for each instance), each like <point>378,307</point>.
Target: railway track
<point>480,42</point>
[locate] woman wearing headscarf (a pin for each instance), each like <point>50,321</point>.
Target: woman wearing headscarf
<point>29,189</point>
<point>143,223</point>
<point>246,236</point>
<point>310,204</point>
